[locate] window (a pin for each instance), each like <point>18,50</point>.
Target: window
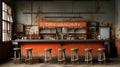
<point>6,22</point>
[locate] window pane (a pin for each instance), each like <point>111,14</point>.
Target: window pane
<point>9,36</point>
<point>4,37</point>
<point>4,25</point>
<point>4,6</point>
<point>9,26</point>
<point>4,16</point>
<point>9,10</point>
<point>11,20</point>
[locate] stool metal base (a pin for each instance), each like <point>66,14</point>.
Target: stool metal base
<point>48,55</point>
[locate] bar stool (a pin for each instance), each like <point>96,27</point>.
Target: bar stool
<point>48,55</point>
<point>74,55</point>
<point>17,55</point>
<point>88,55</point>
<point>28,58</point>
<point>61,55</point>
<point>101,55</point>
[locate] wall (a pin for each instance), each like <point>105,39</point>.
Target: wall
<point>65,6</point>
<point>117,26</point>
<point>0,27</point>
<point>106,19</point>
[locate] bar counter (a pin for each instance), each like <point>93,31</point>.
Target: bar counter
<point>59,41</point>
<point>39,46</point>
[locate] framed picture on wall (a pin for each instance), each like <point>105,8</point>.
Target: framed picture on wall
<point>104,32</point>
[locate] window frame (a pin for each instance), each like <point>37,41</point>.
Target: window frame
<point>7,22</point>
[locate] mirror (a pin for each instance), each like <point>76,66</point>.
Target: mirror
<point>104,32</point>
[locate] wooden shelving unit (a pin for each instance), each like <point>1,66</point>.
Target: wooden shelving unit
<point>78,32</point>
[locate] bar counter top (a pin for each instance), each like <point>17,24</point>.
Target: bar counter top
<point>59,41</point>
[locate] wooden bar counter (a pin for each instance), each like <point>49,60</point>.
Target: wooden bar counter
<point>39,46</point>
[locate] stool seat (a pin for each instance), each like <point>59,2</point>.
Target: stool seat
<point>61,49</point>
<point>101,49</point>
<point>88,49</point>
<point>17,55</point>
<point>16,48</point>
<point>74,48</point>
<point>47,49</point>
<point>28,48</point>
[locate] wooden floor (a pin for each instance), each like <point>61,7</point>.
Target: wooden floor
<point>114,62</point>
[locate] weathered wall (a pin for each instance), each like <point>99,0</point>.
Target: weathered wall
<point>106,19</point>
<point>65,6</point>
<point>0,27</point>
<point>117,26</point>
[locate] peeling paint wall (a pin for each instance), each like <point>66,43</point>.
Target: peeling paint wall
<point>106,19</point>
<point>117,25</point>
<point>117,16</point>
<point>65,6</point>
<point>109,18</point>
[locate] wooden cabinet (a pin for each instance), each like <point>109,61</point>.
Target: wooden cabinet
<point>19,28</point>
<point>92,29</point>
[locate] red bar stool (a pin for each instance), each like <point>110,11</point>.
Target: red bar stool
<point>29,57</point>
<point>48,55</point>
<point>74,55</point>
<point>61,55</point>
<point>101,55</point>
<point>88,55</point>
<point>17,55</point>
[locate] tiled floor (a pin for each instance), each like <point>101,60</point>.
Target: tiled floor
<point>112,63</point>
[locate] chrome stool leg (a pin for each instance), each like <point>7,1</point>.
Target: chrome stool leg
<point>88,55</point>
<point>17,55</point>
<point>101,55</point>
<point>61,55</point>
<point>29,57</point>
<point>74,55</point>
<point>48,55</point>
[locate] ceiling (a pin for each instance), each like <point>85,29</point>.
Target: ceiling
<point>61,0</point>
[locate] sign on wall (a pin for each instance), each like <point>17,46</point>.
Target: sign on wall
<point>62,24</point>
